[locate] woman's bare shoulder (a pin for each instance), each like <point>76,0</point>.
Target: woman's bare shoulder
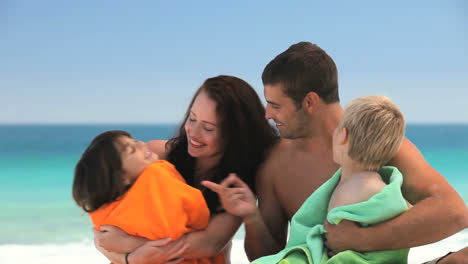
<point>158,147</point>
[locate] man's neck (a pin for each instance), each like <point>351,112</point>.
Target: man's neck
<point>330,116</point>
<point>321,128</point>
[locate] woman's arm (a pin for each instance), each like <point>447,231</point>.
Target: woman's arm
<point>212,240</point>
<point>113,239</point>
<point>158,147</point>
<point>199,244</point>
<point>162,251</point>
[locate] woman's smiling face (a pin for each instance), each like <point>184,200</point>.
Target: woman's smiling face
<point>202,128</point>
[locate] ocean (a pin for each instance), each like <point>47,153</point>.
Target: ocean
<point>40,223</point>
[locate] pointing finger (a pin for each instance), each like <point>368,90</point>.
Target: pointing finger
<point>212,186</point>
<point>232,179</point>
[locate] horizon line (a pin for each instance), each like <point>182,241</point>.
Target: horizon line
<point>168,123</point>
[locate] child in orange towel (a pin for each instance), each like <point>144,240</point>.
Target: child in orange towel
<point>120,182</point>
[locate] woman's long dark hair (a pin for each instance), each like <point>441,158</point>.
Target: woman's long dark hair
<point>245,135</point>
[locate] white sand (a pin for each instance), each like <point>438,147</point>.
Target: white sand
<point>75,253</point>
<point>86,253</point>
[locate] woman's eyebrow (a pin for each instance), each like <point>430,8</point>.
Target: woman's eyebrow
<point>213,124</point>
<point>208,122</point>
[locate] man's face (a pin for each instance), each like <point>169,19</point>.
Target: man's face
<point>289,120</point>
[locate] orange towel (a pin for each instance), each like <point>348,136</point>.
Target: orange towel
<point>159,205</point>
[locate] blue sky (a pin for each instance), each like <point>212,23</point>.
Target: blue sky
<point>141,61</point>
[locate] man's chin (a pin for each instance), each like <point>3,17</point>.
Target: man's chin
<point>285,135</point>
<point>288,135</point>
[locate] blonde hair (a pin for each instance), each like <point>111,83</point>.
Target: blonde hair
<point>375,127</point>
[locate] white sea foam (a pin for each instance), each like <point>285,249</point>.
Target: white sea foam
<point>438,249</point>
<point>85,252</point>
<point>76,253</point>
<point>70,253</point>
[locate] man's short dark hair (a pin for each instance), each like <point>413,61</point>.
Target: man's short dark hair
<point>304,67</point>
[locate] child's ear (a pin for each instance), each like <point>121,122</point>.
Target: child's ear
<point>343,136</point>
<point>310,102</point>
<point>126,180</point>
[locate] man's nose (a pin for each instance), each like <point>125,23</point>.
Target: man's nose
<point>268,112</point>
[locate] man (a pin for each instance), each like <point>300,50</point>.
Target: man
<point>301,90</point>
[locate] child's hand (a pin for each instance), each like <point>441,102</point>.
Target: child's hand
<point>159,251</point>
<point>236,197</point>
<point>114,239</point>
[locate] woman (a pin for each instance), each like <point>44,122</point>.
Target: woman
<point>224,131</point>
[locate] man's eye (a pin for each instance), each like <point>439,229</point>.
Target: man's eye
<point>274,106</point>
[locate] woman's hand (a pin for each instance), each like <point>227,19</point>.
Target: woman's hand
<point>236,197</point>
<point>153,252</point>
<point>114,239</point>
<point>162,251</point>
<point>116,258</point>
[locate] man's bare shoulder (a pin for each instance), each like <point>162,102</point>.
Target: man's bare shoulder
<point>282,148</point>
<point>278,157</point>
<point>158,147</point>
<point>275,163</point>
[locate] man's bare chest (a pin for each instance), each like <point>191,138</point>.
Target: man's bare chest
<point>300,178</point>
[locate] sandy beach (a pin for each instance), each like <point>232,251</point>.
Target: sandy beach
<point>77,253</point>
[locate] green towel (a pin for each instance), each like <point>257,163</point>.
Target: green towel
<point>305,243</point>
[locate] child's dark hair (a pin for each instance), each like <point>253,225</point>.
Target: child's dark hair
<point>98,173</point>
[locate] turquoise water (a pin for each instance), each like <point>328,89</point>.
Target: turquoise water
<point>36,172</point>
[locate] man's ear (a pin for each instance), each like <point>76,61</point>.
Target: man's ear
<point>310,102</point>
